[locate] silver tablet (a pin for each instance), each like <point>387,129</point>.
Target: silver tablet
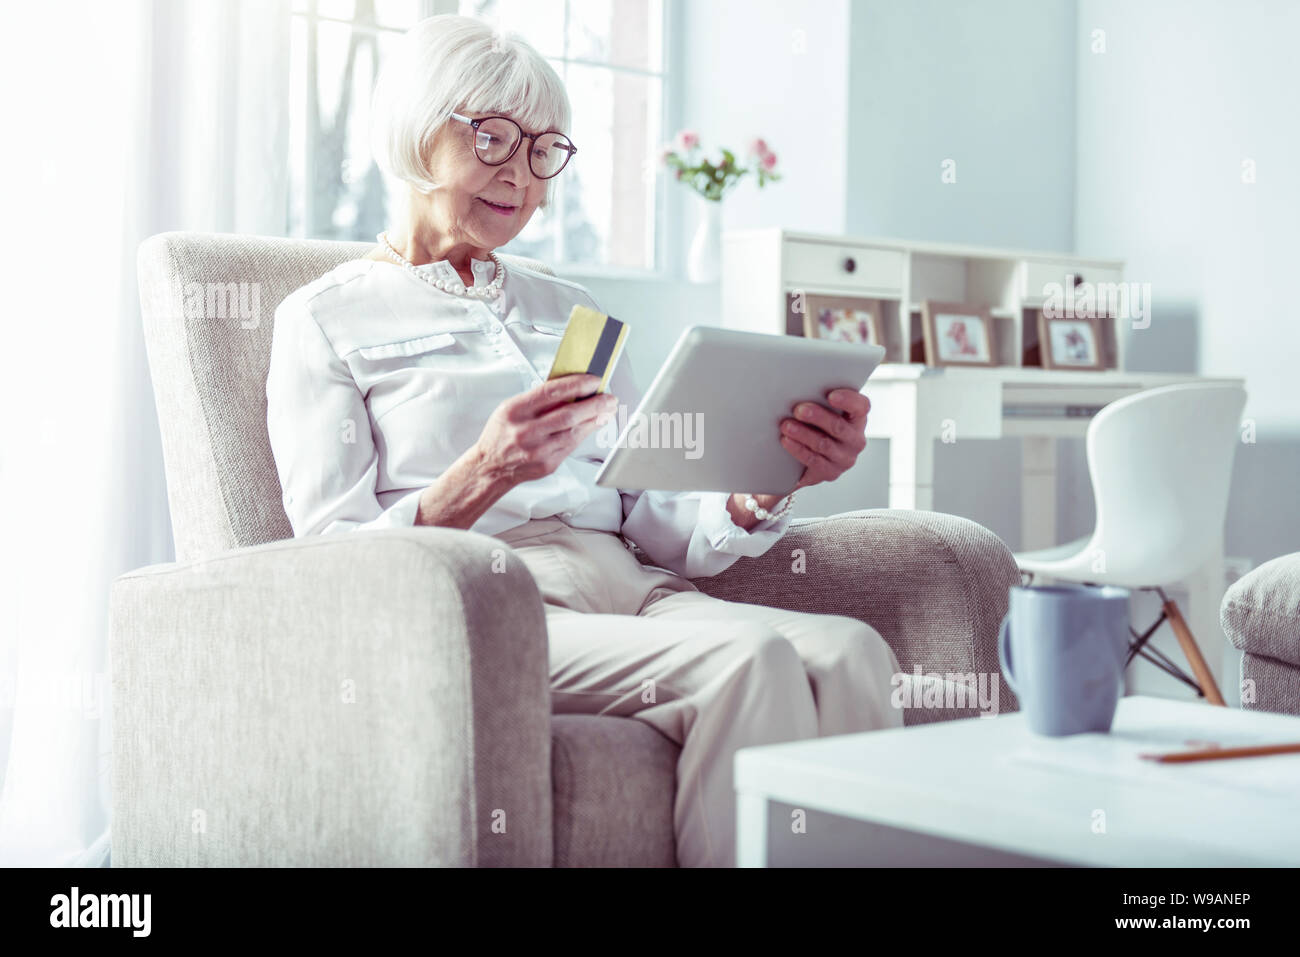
<point>710,420</point>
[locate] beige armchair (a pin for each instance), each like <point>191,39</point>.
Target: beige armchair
<point>379,697</point>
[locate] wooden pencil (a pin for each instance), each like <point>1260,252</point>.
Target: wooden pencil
<point>1216,754</point>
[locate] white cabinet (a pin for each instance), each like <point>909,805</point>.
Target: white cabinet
<point>1038,278</point>
<point>772,278</point>
<point>818,266</point>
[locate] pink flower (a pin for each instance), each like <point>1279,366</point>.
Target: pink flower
<point>759,147</point>
<point>680,173</point>
<point>687,140</point>
<point>769,161</point>
<point>664,152</point>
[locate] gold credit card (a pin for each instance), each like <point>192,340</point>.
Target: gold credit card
<point>591,344</point>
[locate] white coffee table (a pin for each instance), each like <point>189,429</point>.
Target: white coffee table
<point>991,787</point>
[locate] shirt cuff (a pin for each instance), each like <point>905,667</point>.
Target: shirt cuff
<point>401,514</point>
<point>724,535</point>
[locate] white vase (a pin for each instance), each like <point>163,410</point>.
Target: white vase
<point>704,262</point>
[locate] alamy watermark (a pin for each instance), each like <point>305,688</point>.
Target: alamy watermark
<point>1089,300</point>
<point>224,300</point>
<point>655,430</point>
<point>948,689</point>
<point>75,909</point>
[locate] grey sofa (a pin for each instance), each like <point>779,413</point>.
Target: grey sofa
<point>1261,617</point>
<point>380,697</point>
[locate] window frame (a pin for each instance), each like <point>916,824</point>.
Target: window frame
<point>665,214</point>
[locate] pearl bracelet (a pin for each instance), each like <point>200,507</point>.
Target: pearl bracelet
<point>751,503</point>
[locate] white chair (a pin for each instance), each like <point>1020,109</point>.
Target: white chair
<point>1161,464</point>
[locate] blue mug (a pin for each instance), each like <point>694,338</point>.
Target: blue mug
<point>1063,650</point>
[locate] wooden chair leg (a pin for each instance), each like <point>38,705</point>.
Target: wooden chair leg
<point>1193,654</point>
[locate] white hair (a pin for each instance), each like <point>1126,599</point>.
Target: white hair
<point>450,62</point>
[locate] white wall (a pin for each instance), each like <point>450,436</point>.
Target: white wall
<point>1184,92</point>
<point>778,70</point>
<point>989,85</point>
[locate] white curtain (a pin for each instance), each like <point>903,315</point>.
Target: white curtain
<point>124,120</point>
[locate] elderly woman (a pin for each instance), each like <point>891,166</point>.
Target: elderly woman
<point>407,388</point>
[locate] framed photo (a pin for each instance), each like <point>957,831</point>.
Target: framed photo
<point>1069,343</point>
<point>957,334</point>
<point>855,321</point>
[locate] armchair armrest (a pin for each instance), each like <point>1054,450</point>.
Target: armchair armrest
<point>1260,615</point>
<point>365,698</point>
<point>933,585</point>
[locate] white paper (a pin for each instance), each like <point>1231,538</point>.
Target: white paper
<point>1116,756</point>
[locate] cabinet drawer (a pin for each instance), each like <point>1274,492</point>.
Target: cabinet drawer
<point>858,268</point>
<point>1036,275</point>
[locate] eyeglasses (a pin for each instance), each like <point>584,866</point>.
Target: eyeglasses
<point>497,137</point>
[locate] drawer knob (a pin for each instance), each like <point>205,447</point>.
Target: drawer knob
<point>850,264</point>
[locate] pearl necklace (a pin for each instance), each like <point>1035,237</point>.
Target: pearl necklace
<point>455,287</point>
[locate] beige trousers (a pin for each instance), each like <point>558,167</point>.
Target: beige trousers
<point>712,675</point>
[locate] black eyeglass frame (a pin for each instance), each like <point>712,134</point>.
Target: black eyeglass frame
<point>571,150</point>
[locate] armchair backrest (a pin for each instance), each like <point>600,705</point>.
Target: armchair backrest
<point>208,302</point>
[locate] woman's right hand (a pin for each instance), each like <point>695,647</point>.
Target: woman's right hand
<point>530,434</point>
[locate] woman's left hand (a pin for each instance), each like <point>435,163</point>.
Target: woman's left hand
<point>826,441</point>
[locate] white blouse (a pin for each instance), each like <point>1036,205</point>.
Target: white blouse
<point>378,382</point>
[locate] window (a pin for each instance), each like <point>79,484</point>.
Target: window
<point>608,52</point>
